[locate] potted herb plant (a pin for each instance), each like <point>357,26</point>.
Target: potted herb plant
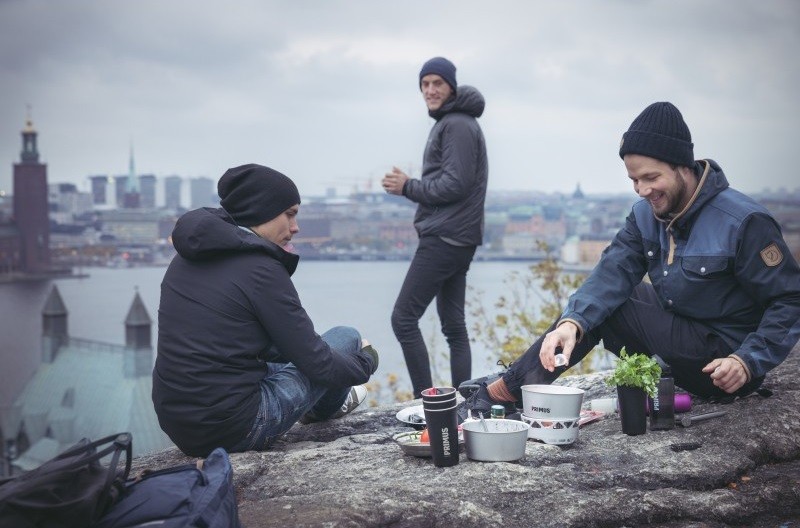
<point>636,377</point>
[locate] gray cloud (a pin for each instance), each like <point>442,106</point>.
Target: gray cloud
<point>327,92</point>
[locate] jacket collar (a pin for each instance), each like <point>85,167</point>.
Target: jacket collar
<point>208,233</point>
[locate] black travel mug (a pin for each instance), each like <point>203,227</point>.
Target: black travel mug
<point>443,432</point>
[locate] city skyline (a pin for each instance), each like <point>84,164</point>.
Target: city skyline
<point>327,94</point>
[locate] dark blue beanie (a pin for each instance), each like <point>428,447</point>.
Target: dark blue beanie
<point>253,194</point>
<point>659,132</point>
<point>441,67</point>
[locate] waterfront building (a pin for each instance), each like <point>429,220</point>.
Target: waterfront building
<point>6,208</point>
<point>527,225</point>
<point>494,226</point>
<point>147,191</point>
<point>83,389</point>
<point>132,198</point>
<point>133,226</point>
<point>99,186</point>
<point>30,205</point>
<point>10,249</point>
<point>120,188</point>
<point>172,192</point>
<point>202,193</point>
<point>67,203</point>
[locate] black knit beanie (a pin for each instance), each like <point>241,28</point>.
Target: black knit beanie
<point>441,67</point>
<point>253,194</point>
<point>661,133</point>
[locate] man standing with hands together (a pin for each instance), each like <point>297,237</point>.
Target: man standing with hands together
<point>449,221</point>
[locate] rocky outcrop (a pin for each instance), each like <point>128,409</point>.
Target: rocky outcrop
<point>745,471</point>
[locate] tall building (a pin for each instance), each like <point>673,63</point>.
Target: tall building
<point>30,205</point>
<point>132,197</point>
<point>147,191</point>
<point>120,188</point>
<point>99,189</point>
<point>172,192</point>
<point>202,193</point>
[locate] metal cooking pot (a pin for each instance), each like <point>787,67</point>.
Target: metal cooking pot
<point>503,441</point>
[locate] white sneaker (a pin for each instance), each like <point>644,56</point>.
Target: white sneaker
<point>357,395</point>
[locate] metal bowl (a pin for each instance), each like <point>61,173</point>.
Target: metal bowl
<point>410,444</point>
<point>502,441</point>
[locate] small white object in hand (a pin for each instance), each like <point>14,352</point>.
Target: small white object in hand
<point>561,360</point>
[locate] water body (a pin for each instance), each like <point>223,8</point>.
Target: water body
<point>359,294</point>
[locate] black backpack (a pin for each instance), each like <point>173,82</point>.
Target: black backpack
<point>194,495</point>
<point>73,489</point>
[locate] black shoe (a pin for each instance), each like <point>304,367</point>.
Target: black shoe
<point>467,388</point>
<point>480,404</point>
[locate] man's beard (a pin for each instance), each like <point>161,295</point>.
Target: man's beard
<point>674,202</point>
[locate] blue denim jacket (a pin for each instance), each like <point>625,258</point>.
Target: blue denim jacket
<point>722,262</point>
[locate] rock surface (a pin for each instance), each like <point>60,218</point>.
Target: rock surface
<point>350,473</point>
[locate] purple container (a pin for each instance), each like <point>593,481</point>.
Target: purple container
<point>683,403</point>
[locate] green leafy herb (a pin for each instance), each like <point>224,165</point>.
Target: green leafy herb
<point>636,370</point>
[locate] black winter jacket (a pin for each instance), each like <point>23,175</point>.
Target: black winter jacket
<point>452,189</point>
<point>228,305</point>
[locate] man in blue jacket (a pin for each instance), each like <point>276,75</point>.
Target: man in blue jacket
<point>722,303</point>
<point>239,361</point>
<point>449,221</point>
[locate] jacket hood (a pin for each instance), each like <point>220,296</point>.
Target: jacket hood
<point>208,233</point>
<point>468,100</point>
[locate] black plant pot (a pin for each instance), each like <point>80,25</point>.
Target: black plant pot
<point>632,410</point>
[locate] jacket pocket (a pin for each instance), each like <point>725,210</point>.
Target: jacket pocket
<point>706,267</point>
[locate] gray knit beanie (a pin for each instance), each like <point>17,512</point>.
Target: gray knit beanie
<point>441,67</point>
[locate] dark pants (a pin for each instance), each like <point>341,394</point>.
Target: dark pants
<point>438,270</point>
<point>641,325</point>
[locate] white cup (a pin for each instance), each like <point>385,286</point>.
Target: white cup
<point>607,405</point>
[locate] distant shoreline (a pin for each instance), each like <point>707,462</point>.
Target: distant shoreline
<point>85,270</point>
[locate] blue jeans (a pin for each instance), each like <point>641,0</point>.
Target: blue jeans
<point>287,394</point>
<point>438,270</point>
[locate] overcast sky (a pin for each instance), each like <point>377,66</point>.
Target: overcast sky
<point>327,92</point>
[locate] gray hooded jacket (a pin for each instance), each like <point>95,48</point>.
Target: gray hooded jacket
<point>452,189</point>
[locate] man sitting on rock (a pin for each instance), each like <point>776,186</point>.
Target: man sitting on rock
<point>239,361</point>
<point>722,304</point>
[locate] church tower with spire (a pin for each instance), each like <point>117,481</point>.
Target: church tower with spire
<point>30,205</point>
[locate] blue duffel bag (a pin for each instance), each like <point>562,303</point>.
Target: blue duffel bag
<point>200,494</point>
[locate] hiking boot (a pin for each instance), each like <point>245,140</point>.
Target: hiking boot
<point>355,397</point>
<point>467,388</point>
<point>479,403</point>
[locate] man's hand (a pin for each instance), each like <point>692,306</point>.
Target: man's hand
<point>394,181</point>
<point>369,349</point>
<point>565,336</point>
<point>727,374</point>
